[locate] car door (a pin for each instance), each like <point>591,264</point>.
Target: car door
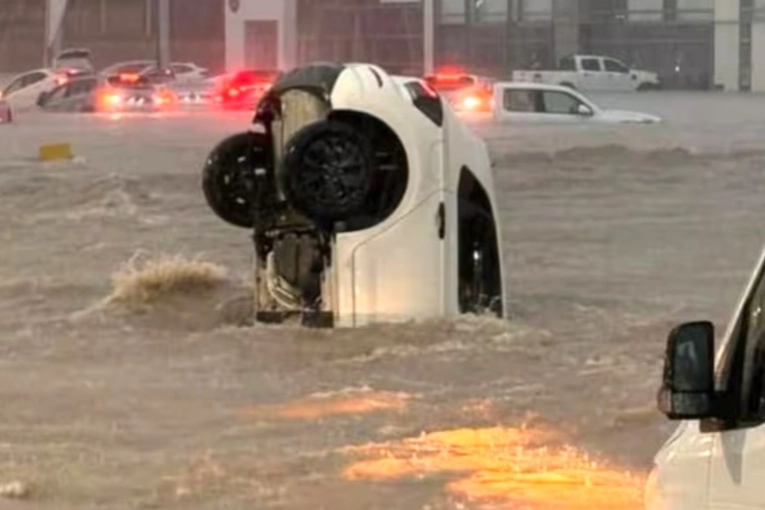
<point>591,74</point>
<point>512,104</point>
<point>737,466</point>
<point>13,87</point>
<point>618,75</point>
<point>564,107</point>
<point>54,100</point>
<point>23,93</point>
<point>79,95</point>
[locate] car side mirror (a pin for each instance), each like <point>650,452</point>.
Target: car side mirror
<point>584,110</point>
<point>688,389</point>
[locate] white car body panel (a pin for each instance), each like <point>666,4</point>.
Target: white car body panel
<point>738,470</point>
<point>682,467</point>
<point>26,97</point>
<point>188,72</point>
<point>504,112</point>
<point>409,287</point>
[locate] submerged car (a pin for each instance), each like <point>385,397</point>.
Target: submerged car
<point>189,72</point>
<point>243,89</point>
<point>121,93</point>
<point>74,58</point>
<point>541,103</point>
<point>23,90</point>
<point>369,200</point>
<point>465,92</point>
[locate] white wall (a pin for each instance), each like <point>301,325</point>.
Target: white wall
<point>282,11</point>
<point>726,43</point>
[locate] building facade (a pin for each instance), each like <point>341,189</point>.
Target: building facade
<point>113,29</point>
<point>284,33</point>
<point>690,43</point>
<point>673,37</point>
<point>740,45</point>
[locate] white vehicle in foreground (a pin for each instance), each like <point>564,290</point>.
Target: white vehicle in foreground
<point>369,199</point>
<point>715,460</point>
<point>592,72</point>
<point>540,103</point>
<point>23,90</point>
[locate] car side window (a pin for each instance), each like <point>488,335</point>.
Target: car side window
<point>81,87</point>
<point>752,327</point>
<point>14,86</point>
<point>614,66</point>
<point>519,100</point>
<point>58,93</point>
<point>33,78</point>
<point>560,103</point>
<point>591,64</point>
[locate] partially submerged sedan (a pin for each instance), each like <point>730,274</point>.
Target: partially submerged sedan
<point>542,103</point>
<point>121,93</point>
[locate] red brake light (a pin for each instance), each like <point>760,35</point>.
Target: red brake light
<point>129,77</point>
<point>109,99</point>
<point>450,70</point>
<point>62,79</point>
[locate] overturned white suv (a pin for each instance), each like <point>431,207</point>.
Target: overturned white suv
<point>369,200</point>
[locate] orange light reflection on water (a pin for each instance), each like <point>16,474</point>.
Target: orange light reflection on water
<point>504,468</point>
<point>312,408</point>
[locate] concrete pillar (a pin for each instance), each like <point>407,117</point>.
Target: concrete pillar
<point>288,52</point>
<point>163,35</point>
<point>566,18</point>
<point>54,23</point>
<point>727,44</point>
<point>428,35</point>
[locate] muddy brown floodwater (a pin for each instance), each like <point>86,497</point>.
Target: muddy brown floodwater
<point>611,236</point>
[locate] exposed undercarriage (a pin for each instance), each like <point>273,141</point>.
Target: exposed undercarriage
<point>336,172</point>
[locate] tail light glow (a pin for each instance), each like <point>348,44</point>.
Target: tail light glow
<point>129,77</point>
<point>471,103</point>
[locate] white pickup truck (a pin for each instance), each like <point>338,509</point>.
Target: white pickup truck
<point>592,72</point>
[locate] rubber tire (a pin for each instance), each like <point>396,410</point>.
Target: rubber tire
<point>319,202</point>
<point>468,302</point>
<point>233,202</point>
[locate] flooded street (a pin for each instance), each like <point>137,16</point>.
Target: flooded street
<point>612,235</point>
